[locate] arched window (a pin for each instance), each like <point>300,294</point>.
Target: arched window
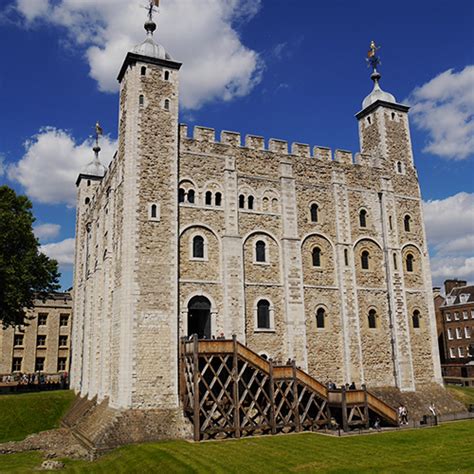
<point>316,257</point>
<point>275,205</point>
<point>390,224</point>
<point>191,196</point>
<point>218,199</point>
<point>363,218</point>
<point>154,211</point>
<point>395,261</point>
<point>406,223</point>
<point>260,251</point>
<point>141,100</point>
<point>87,201</point>
<point>167,104</point>
<point>372,319</point>
<point>250,201</point>
<point>241,201</point>
<point>198,247</point>
<point>181,195</point>
<point>263,314</point>
<point>320,317</point>
<point>314,213</point>
<point>346,257</point>
<point>410,262</point>
<point>167,75</point>
<point>143,71</point>
<point>208,198</point>
<point>265,204</point>
<point>416,319</point>
<point>364,260</point>
<point>399,167</point>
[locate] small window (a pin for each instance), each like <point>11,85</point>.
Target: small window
<point>390,223</point>
<point>141,100</point>
<point>346,257</point>
<point>448,316</point>
<point>451,353</point>
<point>369,120</point>
<point>250,202</point>
<point>62,341</point>
<point>409,262</point>
<point>450,334</point>
<point>62,364</point>
<point>16,365</point>
<point>218,199</point>
<point>372,319</point>
<point>275,205</point>
<point>314,212</point>
<point>407,223</point>
<point>458,333</point>
<point>416,319</point>
<point>39,364</point>
<point>395,265</point>
<point>191,196</point>
<point>87,201</point>
<point>364,260</point>
<point>88,182</point>
<point>263,314</point>
<point>316,257</point>
<point>41,341</point>
<point>363,218</point>
<point>260,251</point>
<point>198,247</point>
<point>18,340</point>
<point>208,198</point>
<point>399,167</point>
<point>241,201</point>
<point>167,75</point>
<point>320,317</point>
<point>181,195</point>
<point>42,319</point>
<point>143,71</point>
<point>154,211</point>
<point>167,104</point>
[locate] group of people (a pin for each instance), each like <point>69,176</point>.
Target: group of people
<point>402,414</point>
<point>332,386</point>
<point>36,380</point>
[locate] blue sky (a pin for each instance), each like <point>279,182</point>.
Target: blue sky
<point>291,70</point>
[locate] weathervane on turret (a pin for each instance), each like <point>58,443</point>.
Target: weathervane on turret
<point>152,8</point>
<point>98,132</point>
<point>373,59</point>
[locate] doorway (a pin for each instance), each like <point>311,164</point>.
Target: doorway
<point>199,317</point>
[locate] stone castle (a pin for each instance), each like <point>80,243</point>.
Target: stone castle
<point>300,252</point>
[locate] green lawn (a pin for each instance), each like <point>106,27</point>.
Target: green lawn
<point>463,394</point>
<point>27,413</point>
<point>448,448</point>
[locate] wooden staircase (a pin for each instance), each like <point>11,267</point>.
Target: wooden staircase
<point>227,390</point>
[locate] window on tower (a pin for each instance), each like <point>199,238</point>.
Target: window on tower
<point>363,218</point>
<point>167,104</point>
<point>364,260</point>
<point>208,198</point>
<point>167,75</point>
<point>316,257</point>
<point>143,71</point>
<point>260,251</point>
<point>409,262</point>
<point>141,100</point>
<point>218,199</point>
<point>314,213</point>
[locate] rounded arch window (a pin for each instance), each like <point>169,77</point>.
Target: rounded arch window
<point>198,246</point>
<point>143,71</point>
<point>218,199</point>
<point>263,314</point>
<point>320,318</point>
<point>241,201</point>
<point>191,196</point>
<point>250,202</point>
<point>372,319</point>
<point>260,251</point>
<point>141,100</point>
<point>167,75</point>
<point>416,319</point>
<point>407,223</point>
<point>314,211</point>
<point>181,195</point>
<point>154,211</point>
<point>208,198</point>
<point>167,104</point>
<point>399,167</point>
<point>363,218</point>
<point>364,260</point>
<point>409,262</point>
<point>316,257</point>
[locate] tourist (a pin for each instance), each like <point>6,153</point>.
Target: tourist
<point>377,424</point>
<point>352,386</point>
<point>433,411</point>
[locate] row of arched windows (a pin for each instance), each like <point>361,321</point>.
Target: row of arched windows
<point>246,202</point>
<point>166,74</point>
<point>215,199</point>
<point>189,196</point>
<point>141,102</point>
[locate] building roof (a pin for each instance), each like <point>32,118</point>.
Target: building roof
<point>460,295</point>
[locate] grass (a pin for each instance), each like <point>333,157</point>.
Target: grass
<point>447,448</point>
<point>27,413</point>
<point>463,394</point>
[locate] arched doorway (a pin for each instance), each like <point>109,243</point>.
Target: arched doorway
<point>199,317</point>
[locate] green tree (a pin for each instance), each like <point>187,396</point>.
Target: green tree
<point>24,270</point>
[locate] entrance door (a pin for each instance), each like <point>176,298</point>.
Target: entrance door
<point>199,317</point>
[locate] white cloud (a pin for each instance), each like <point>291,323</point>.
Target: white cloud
<point>47,231</point>
<point>51,165</point>
<point>443,108</point>
<point>201,34</point>
<point>62,251</point>
<point>450,232</point>
<point>2,165</point>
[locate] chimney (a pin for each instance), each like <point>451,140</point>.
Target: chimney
<point>455,283</point>
<point>436,291</point>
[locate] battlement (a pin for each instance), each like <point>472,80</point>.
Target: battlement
<point>207,135</point>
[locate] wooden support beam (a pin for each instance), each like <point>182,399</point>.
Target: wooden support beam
<point>196,400</point>
<point>235,392</point>
<point>366,407</point>
<point>345,425</point>
<point>272,398</point>
<point>296,410</point>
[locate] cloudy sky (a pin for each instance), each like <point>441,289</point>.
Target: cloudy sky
<point>291,70</point>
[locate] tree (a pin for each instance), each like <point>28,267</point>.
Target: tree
<point>25,272</point>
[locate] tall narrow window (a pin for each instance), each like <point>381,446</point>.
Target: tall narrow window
<point>263,314</point>
<point>191,196</point>
<point>154,211</point>
<point>410,262</point>
<point>167,75</point>
<point>316,257</point>
<point>141,100</point>
<point>372,319</point>
<point>395,265</point>
<point>208,198</point>
<point>167,104</point>
<point>320,317</point>
<point>143,71</point>
<point>364,260</point>
<point>314,213</point>
<point>363,218</point>
<point>346,257</point>
<point>181,195</point>
<point>218,199</point>
<point>241,201</point>
<point>260,251</point>
<point>250,202</point>
<point>390,223</point>
<point>399,167</point>
<point>198,247</point>
<point>406,223</point>
<point>416,319</point>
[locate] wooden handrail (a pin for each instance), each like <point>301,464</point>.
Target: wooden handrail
<point>382,408</point>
